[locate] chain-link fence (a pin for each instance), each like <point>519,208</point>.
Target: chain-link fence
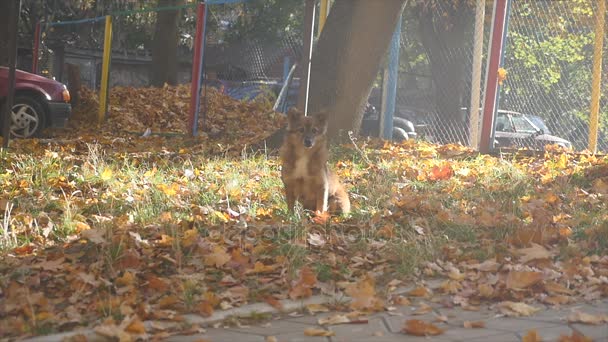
<point>549,60</point>
<point>250,50</point>
<point>546,95</point>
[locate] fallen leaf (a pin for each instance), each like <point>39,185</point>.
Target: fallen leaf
<point>531,336</point>
<point>516,308</point>
<point>474,324</point>
<point>423,309</point>
<point>303,286</point>
<point>334,319</point>
<point>136,327</point>
<point>586,318</point>
<point>420,328</point>
<point>275,303</point>
<point>364,295</point>
<point>318,332</point>
<point>218,258</point>
<point>535,252</point>
<point>518,280</point>
<point>96,236</point>
<point>575,337</point>
<point>316,308</point>
<point>419,292</point>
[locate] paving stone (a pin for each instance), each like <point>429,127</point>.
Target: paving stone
<point>360,332</point>
<point>392,338</point>
<point>395,323</point>
<point>305,319</point>
<point>556,316</point>
<point>276,327</point>
<point>298,337</point>
<point>517,325</point>
<point>464,334</point>
<point>456,317</point>
<point>596,332</point>
<point>508,337</point>
<point>218,335</point>
<point>551,333</point>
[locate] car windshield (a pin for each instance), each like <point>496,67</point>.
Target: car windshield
<point>522,124</point>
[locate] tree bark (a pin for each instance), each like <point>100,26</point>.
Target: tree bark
<point>165,44</point>
<point>347,57</point>
<point>74,83</point>
<point>4,16</point>
<point>443,37</point>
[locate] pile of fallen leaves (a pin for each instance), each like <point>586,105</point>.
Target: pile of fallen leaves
<point>166,110</point>
<point>154,236</point>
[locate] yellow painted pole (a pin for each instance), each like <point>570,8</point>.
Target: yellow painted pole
<point>596,82</point>
<point>323,14</point>
<point>105,71</point>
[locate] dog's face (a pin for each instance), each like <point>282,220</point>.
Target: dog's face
<point>307,129</point>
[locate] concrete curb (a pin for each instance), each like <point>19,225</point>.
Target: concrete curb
<point>219,316</point>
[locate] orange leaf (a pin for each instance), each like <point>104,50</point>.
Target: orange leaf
<point>275,303</point>
<point>442,172</point>
<point>205,308</point>
<point>136,327</point>
<point>303,287</point>
<point>364,295</point>
<point>420,291</point>
<point>517,280</point>
<point>420,328</point>
<point>531,336</point>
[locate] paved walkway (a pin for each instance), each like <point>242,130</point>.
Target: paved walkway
<point>550,324</point>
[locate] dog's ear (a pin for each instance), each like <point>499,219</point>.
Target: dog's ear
<point>293,116</point>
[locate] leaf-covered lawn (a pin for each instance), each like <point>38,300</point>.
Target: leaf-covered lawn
<point>108,231</point>
<point>90,234</point>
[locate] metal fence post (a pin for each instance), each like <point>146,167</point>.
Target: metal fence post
<point>476,75</point>
<point>596,82</point>
<point>197,69</point>
<point>491,93</point>
<point>105,71</point>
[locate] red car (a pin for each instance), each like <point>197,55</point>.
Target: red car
<point>39,102</point>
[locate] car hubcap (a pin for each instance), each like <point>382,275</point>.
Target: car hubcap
<point>24,120</point>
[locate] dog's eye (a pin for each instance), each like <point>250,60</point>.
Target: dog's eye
<point>315,130</point>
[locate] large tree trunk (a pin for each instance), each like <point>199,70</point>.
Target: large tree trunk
<point>4,16</point>
<point>165,44</point>
<point>443,35</point>
<point>347,57</point>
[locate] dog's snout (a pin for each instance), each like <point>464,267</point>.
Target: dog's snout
<point>308,142</point>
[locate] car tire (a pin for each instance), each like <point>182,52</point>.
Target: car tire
<point>28,117</point>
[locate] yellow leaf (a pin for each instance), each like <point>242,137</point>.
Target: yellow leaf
<point>318,332</point>
<point>106,174</point>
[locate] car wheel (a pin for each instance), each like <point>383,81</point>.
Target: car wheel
<point>28,117</point>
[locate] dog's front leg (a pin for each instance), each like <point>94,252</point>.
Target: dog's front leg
<point>290,196</point>
<point>323,195</point>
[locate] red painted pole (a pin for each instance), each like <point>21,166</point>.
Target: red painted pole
<point>197,65</point>
<point>496,47</point>
<point>36,49</point>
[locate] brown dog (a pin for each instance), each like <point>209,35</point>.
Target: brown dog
<point>305,173</point>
